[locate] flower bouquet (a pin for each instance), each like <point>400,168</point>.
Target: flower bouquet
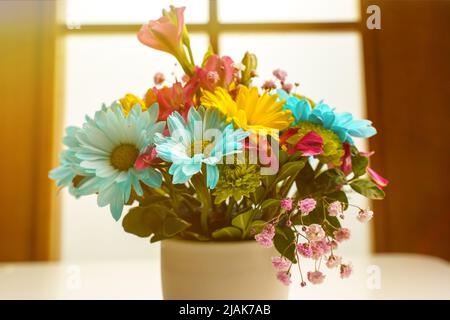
<point>215,158</point>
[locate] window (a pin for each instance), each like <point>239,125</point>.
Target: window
<point>317,42</point>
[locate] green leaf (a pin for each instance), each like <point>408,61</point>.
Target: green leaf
<point>227,233</point>
<point>208,54</point>
<point>243,221</point>
<point>284,242</point>
<point>173,226</point>
<point>329,180</point>
<point>258,194</point>
<point>194,235</point>
<point>269,203</point>
<point>283,157</point>
<point>359,165</point>
<point>289,169</point>
<point>305,181</point>
<point>335,224</point>
<point>368,189</point>
<point>155,219</point>
<point>257,225</point>
<point>139,222</point>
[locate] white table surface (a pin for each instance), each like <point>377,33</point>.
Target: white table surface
<point>387,276</point>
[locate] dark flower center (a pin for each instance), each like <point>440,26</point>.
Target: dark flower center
<point>124,156</point>
<point>199,147</point>
<point>77,180</point>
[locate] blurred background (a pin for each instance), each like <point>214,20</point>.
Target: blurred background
<point>62,59</point>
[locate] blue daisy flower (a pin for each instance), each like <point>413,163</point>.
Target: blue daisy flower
<point>70,173</point>
<point>204,139</point>
<point>107,147</point>
<point>342,124</point>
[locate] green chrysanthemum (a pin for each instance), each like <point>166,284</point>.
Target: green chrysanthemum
<point>332,145</point>
<point>237,181</point>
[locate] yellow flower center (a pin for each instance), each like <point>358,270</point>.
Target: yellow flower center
<point>124,156</point>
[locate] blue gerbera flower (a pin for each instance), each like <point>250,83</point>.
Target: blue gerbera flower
<point>203,139</point>
<point>342,124</point>
<point>106,148</point>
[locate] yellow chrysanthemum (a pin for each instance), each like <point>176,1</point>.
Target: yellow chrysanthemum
<point>129,101</point>
<point>250,110</point>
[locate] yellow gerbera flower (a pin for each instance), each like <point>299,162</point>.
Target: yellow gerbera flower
<point>250,110</point>
<point>129,101</point>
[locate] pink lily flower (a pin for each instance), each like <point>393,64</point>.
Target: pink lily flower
<point>379,180</point>
<point>166,34</point>
<point>217,71</point>
<point>170,99</point>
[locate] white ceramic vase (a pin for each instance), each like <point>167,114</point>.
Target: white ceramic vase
<point>219,270</point>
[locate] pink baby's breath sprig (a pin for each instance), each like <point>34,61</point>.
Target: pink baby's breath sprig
<point>265,238</point>
<point>333,261</point>
<point>306,206</point>
<point>346,270</point>
<point>315,277</point>
<point>280,74</point>
<point>364,215</point>
<point>286,204</point>
<point>280,263</point>
<point>342,234</point>
<point>159,78</point>
<point>315,232</point>
<point>284,277</point>
<point>335,209</point>
<point>269,85</point>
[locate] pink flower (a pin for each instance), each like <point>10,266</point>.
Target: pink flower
<point>266,236</point>
<point>364,215</point>
<point>315,232</point>
<point>287,87</point>
<point>320,248</point>
<point>305,250</point>
<point>268,85</point>
<point>217,71</point>
<point>212,77</point>
<point>335,209</point>
<point>269,230</point>
<point>280,263</point>
<point>307,205</point>
<point>164,34</point>
<point>284,278</point>
<point>316,277</point>
<point>280,74</point>
<point>146,159</point>
<point>342,234</point>
<point>158,78</point>
<point>346,166</point>
<point>286,204</point>
<point>346,270</point>
<point>170,99</point>
<point>379,180</point>
<point>333,261</point>
<point>310,145</point>
<point>264,240</point>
